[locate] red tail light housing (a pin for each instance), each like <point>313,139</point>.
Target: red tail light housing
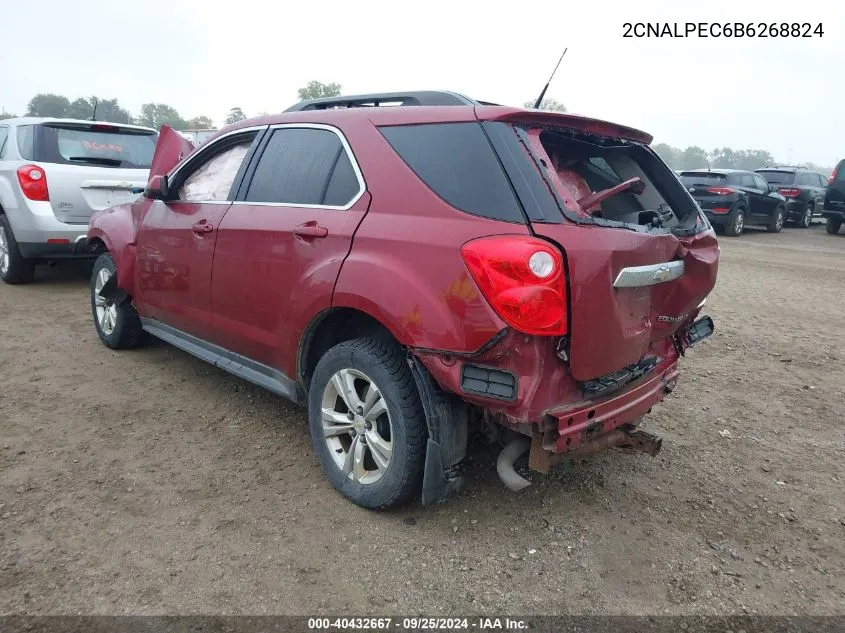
<point>522,279</point>
<point>33,182</point>
<point>833,175</point>
<point>721,191</point>
<point>789,192</point>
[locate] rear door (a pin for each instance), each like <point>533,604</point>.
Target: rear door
<point>834,198</point>
<point>281,244</point>
<point>176,238</point>
<point>93,166</point>
<point>763,202</point>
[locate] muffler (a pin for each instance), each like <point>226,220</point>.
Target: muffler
<point>504,464</point>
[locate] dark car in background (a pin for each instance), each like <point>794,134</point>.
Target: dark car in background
<point>834,199</point>
<point>732,198</point>
<point>803,190</point>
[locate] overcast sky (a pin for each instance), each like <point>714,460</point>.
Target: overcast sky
<point>785,95</point>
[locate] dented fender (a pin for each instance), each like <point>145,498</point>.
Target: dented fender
<point>117,229</point>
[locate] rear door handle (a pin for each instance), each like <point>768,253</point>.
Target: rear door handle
<point>202,226</point>
<point>310,230</point>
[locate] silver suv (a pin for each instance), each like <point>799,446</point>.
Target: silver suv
<point>54,173</point>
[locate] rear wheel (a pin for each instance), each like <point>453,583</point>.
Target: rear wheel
<point>14,267</point>
<point>833,225</point>
<point>116,321</point>
<point>367,423</point>
<point>737,223</point>
<point>776,223</point>
<point>807,216</point>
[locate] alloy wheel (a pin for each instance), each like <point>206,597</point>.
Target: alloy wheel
<point>4,251</point>
<point>106,309</point>
<point>739,223</point>
<point>356,426</point>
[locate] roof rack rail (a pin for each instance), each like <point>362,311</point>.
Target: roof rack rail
<point>413,98</point>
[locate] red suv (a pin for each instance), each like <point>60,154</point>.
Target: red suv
<point>410,273</point>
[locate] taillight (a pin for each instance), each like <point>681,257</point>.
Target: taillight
<point>523,280</point>
<point>833,175</point>
<point>33,182</point>
<point>720,191</point>
<point>788,192</point>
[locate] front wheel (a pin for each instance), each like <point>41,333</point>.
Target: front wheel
<point>776,223</point>
<point>367,423</point>
<point>833,225</point>
<point>116,321</point>
<point>737,223</point>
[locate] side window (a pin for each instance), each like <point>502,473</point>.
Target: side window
<point>747,180</point>
<point>806,180</point>
<point>822,181</point>
<point>26,142</point>
<point>213,179</point>
<point>304,166</point>
<point>760,183</point>
<point>456,161</point>
<point>4,134</point>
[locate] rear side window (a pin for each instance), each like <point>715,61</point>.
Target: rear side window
<point>304,166</point>
<point>4,134</point>
<point>26,142</point>
<point>778,177</point>
<point>456,161</point>
<point>97,144</point>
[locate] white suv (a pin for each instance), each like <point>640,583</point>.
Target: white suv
<point>54,173</point>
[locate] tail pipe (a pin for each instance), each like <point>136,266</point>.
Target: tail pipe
<point>504,464</point>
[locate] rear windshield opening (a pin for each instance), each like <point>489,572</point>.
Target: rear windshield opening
<point>706,179</point>
<point>95,145</point>
<point>778,177</point>
<point>585,168</point>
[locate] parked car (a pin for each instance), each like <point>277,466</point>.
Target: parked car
<point>532,273</point>
<point>803,190</point>
<point>53,174</point>
<point>731,199</point>
<point>834,199</point>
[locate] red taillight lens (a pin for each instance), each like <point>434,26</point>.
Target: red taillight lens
<point>788,192</point>
<point>523,280</point>
<point>720,210</point>
<point>833,175</point>
<point>33,182</point>
<point>720,191</point>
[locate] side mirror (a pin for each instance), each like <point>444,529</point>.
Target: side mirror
<point>157,188</point>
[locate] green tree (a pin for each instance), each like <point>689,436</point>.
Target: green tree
<point>46,104</point>
<point>752,159</point>
<point>235,115</point>
<point>155,115</point>
<point>318,90</point>
<point>552,105</point>
<point>669,154</point>
<point>692,157</point>
<point>80,109</point>
<point>200,123</point>
<point>110,110</point>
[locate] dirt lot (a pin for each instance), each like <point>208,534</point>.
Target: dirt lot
<point>148,482</point>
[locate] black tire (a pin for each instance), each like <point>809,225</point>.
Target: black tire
<point>776,223</point>
<point>736,225</point>
<point>126,331</point>
<point>384,363</point>
<point>807,216</point>
<point>833,225</point>
<point>14,267</point>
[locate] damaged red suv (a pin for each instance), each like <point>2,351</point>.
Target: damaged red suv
<point>411,273</point>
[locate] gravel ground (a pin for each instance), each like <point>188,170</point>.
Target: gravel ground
<point>148,482</point>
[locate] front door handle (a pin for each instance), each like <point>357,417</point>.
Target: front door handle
<point>201,227</point>
<point>310,230</point>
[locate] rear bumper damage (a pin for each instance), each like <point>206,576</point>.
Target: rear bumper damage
<point>589,422</point>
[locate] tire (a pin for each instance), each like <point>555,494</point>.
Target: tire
<point>14,267</point>
<point>396,420</point>
<point>807,215</point>
<point>117,323</point>
<point>776,223</point>
<point>737,224</point>
<point>833,225</point>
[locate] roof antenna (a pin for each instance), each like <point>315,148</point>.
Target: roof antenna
<point>543,94</point>
<point>94,114</point>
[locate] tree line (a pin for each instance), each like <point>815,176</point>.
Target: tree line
<point>695,157</point>
<point>152,115</point>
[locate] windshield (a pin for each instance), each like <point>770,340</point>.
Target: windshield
<point>101,145</point>
<point>778,177</point>
<point>707,178</point>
